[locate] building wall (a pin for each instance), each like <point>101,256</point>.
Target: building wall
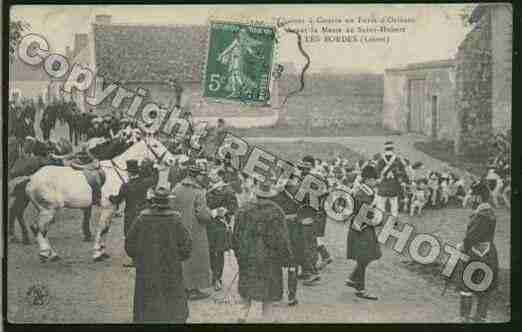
<point>29,89</point>
<point>439,81</point>
<point>395,101</point>
<point>501,43</point>
<point>343,99</point>
<point>474,88</point>
<point>237,115</point>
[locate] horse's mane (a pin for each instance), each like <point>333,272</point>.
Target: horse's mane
<point>109,149</point>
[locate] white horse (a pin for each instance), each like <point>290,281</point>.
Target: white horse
<point>52,188</point>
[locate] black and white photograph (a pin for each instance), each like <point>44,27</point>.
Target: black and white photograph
<point>244,164</point>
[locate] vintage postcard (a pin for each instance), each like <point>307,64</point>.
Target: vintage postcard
<point>259,163</point>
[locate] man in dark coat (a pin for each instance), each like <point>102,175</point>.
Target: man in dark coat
<point>307,218</point>
<point>479,246</point>
<point>48,120</point>
<point>222,202</point>
<point>134,193</point>
<point>289,207</point>
<point>159,243</point>
<point>362,245</point>
<point>262,247</point>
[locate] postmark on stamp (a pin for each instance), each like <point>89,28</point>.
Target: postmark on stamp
<point>239,62</point>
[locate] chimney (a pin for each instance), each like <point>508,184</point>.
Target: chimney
<point>80,42</point>
<point>103,19</point>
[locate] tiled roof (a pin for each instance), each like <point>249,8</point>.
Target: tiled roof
<point>424,65</point>
<point>144,53</point>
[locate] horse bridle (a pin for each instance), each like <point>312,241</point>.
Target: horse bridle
<point>158,158</point>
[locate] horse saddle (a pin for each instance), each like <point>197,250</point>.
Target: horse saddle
<point>96,179</point>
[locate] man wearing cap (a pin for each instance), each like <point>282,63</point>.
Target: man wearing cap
<point>158,242</point>
<point>262,247</point>
<point>134,194</point>
<point>478,245</point>
<point>289,207</point>
<point>308,218</point>
<point>361,243</point>
<point>391,175</point>
<point>190,200</point>
<point>222,201</point>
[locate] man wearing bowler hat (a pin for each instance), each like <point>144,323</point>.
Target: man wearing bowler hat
<point>134,193</point>
<point>159,243</point>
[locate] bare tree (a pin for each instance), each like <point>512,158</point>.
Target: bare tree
<point>16,32</point>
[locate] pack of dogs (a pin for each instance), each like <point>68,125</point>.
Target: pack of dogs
<point>425,189</point>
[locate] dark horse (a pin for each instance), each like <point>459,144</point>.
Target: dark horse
<point>29,165</point>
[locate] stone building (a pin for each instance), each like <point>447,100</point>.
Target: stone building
<point>465,99</point>
<point>146,56</point>
<point>484,77</point>
<point>28,81</point>
<point>420,98</point>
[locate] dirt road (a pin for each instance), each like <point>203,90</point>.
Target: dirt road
<point>82,291</point>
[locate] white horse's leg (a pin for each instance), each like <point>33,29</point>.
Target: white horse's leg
<point>104,225</point>
<point>40,228</point>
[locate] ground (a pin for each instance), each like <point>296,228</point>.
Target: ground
<point>81,291</point>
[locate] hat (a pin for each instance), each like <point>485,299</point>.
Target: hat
<point>132,166</point>
<point>97,119</point>
<point>369,172</point>
<point>265,189</point>
<point>161,197</point>
<point>193,167</point>
<point>480,188</point>
<point>307,162</point>
<point>84,157</point>
<point>388,146</point>
<point>349,169</point>
<point>416,165</point>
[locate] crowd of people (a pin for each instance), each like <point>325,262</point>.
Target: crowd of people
<point>222,209</point>
<point>177,233</point>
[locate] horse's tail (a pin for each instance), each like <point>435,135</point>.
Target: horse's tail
<point>19,190</point>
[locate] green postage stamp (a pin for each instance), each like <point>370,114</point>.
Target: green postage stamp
<point>239,62</point>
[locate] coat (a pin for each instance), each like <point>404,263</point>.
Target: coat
<point>176,174</point>
<point>362,246</point>
<point>134,193</point>
<point>158,243</point>
<point>191,202</point>
<point>221,195</point>
<point>391,176</point>
<point>289,207</point>
<point>262,247</point>
<point>478,245</point>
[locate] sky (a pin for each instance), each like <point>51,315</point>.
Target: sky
<point>435,34</point>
